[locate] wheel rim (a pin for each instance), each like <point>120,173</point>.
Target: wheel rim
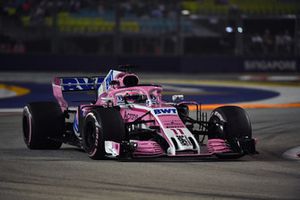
<point>90,136</point>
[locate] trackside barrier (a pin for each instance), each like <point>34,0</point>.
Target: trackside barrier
<point>155,64</point>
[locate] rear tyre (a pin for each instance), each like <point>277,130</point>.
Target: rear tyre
<point>100,125</point>
<point>43,125</point>
<point>232,124</point>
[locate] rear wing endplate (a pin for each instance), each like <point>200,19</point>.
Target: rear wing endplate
<point>74,84</point>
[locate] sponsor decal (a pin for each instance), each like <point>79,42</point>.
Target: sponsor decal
<point>181,137</point>
<point>73,84</point>
<point>130,116</point>
<point>183,140</point>
<point>165,111</point>
<point>173,124</point>
<point>271,65</point>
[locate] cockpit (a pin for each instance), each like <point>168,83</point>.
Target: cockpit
<point>148,95</point>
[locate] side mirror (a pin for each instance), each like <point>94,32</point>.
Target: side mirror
<point>177,97</point>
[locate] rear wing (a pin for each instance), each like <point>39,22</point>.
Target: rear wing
<point>69,84</point>
<point>98,84</point>
<point>61,85</point>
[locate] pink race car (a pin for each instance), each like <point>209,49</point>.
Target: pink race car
<point>130,120</point>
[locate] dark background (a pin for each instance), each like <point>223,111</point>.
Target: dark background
<point>186,36</point>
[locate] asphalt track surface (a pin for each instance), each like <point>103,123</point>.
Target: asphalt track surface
<point>69,174</point>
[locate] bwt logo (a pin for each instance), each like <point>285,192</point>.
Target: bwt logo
<point>166,111</point>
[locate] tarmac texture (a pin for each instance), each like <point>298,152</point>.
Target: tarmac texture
<point>69,174</point>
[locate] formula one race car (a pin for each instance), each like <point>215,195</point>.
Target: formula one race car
<point>130,120</point>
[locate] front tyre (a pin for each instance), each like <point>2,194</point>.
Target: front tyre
<point>43,125</point>
<point>232,124</point>
<point>100,125</point>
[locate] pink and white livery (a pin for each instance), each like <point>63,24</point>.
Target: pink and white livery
<point>126,119</point>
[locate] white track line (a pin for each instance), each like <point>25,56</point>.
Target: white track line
<point>10,110</point>
<point>292,154</point>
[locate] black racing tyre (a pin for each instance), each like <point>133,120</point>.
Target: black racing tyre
<point>100,125</point>
<point>43,125</point>
<point>231,123</point>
